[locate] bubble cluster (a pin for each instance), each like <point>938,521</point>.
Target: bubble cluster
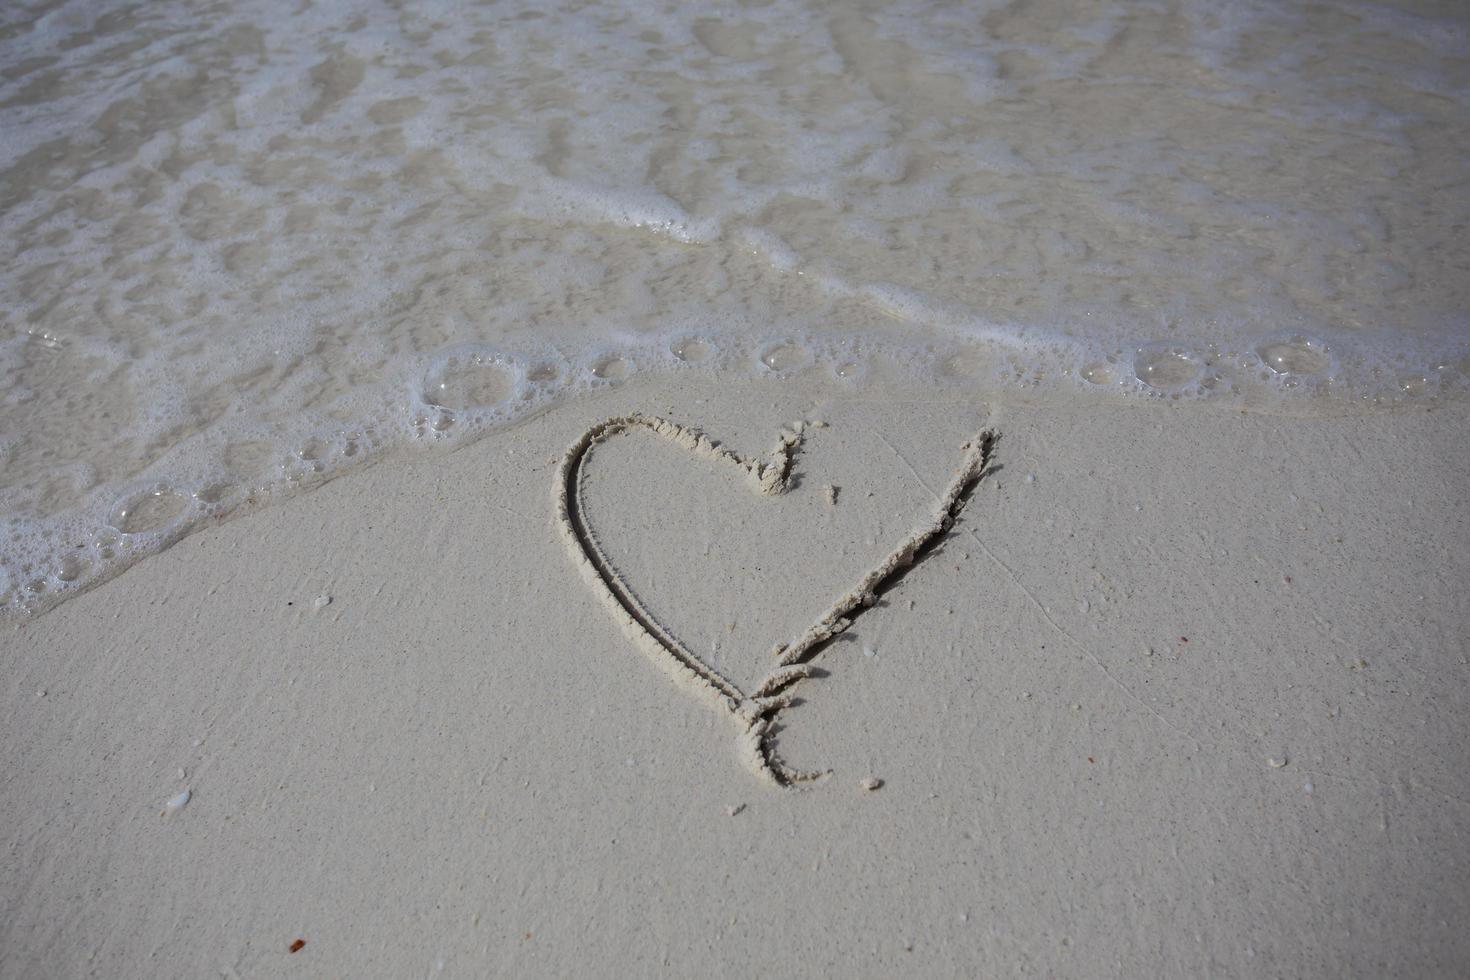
<point>466,389</point>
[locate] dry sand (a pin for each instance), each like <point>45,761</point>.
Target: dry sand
<point>1183,692</point>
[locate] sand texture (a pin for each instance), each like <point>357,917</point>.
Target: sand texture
<point>1172,692</point>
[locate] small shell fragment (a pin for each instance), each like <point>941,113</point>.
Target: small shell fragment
<point>177,803</point>
<point>1276,763</point>
<point>871,783</point>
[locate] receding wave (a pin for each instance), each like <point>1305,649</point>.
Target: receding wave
<point>245,252</point>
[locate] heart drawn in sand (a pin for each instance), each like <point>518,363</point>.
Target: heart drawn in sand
<point>755,712</point>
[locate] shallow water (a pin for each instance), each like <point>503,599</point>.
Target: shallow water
<point>248,246</point>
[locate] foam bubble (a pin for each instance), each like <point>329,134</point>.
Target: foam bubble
<point>471,377</point>
<point>1099,373</point>
<point>1167,367</point>
<point>692,350</point>
<point>213,493</point>
<point>1298,356</point>
<point>966,364</point>
<point>249,458</point>
<point>312,450</point>
<point>104,542</point>
<point>786,357</point>
<point>73,567</point>
<point>148,509</point>
<point>612,367</point>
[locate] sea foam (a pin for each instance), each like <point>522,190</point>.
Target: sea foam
<point>246,250</point>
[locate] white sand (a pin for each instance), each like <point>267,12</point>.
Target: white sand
<point>461,764</point>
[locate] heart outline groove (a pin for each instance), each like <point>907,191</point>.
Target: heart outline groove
<point>756,712</point>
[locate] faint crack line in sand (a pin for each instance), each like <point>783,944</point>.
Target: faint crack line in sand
<point>1076,644</point>
<point>756,713</point>
<point>904,460</point>
<point>1369,780</point>
<point>1086,651</point>
<point>1381,783</point>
